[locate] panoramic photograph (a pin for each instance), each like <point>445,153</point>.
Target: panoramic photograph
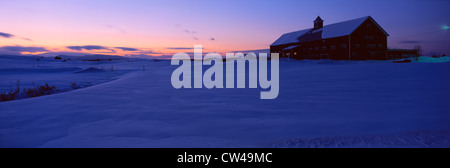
<point>224,74</point>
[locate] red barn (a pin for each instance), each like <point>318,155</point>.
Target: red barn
<point>357,39</point>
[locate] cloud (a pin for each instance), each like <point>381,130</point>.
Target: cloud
<point>181,48</point>
<point>409,41</point>
<point>253,51</point>
<point>148,52</point>
<point>195,38</point>
<point>212,39</point>
<point>189,31</point>
<point>115,27</point>
<point>6,35</point>
<point>27,39</point>
<point>19,49</point>
<point>87,47</point>
<point>127,48</point>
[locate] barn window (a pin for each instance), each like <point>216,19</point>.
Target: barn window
<point>324,48</point>
<point>368,25</point>
<point>380,45</point>
<point>316,48</point>
<point>357,45</point>
<point>343,46</point>
<point>295,53</point>
<point>372,54</point>
<point>371,46</point>
<point>310,49</point>
<point>332,47</point>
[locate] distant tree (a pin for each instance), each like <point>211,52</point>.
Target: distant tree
<point>58,58</point>
<point>419,50</point>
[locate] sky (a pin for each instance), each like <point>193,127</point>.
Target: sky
<point>163,27</point>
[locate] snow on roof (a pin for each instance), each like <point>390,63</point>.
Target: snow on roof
<point>342,28</point>
<point>329,31</point>
<point>290,47</point>
<point>290,37</point>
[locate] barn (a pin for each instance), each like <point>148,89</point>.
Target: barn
<point>358,39</point>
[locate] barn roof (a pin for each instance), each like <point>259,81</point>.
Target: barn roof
<point>328,31</point>
<point>291,47</point>
<point>318,19</point>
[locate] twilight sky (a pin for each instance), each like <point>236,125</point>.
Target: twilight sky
<point>163,27</point>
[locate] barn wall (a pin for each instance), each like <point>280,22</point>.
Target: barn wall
<point>371,40</point>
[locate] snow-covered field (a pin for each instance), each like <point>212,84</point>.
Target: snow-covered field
<point>321,104</point>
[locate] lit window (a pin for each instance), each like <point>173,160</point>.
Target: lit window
<point>295,53</point>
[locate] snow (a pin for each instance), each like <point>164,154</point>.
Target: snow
<point>332,104</point>
<point>342,28</point>
<point>290,47</point>
<point>291,37</point>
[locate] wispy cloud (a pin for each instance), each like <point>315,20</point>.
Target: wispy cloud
<point>181,48</point>
<point>116,28</point>
<point>6,35</point>
<point>87,47</point>
<point>27,39</point>
<point>253,51</point>
<point>148,52</point>
<point>409,41</point>
<point>189,31</point>
<point>127,48</point>
<point>19,49</point>
<point>212,39</point>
